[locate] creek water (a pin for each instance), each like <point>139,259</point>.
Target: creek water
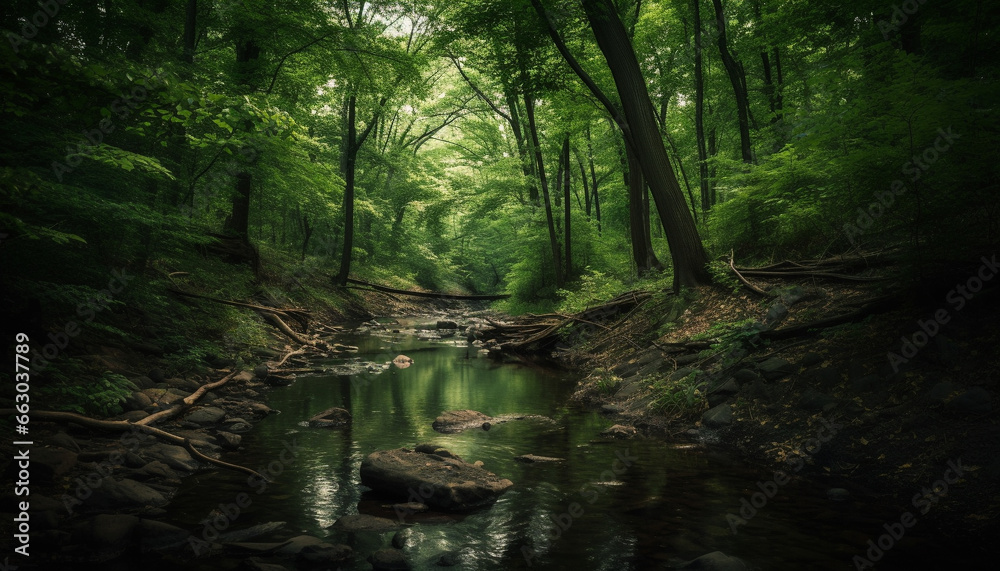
<point>612,504</point>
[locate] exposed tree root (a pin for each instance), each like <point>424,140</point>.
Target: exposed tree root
<point>186,403</point>
<point>541,331</point>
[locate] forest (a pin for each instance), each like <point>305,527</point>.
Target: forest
<point>184,183</point>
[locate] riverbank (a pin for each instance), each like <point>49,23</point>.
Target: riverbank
<point>829,404</point>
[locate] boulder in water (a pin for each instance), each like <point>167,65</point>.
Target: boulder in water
<point>442,482</point>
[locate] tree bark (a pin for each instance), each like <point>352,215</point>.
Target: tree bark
<point>566,204</point>
<point>639,125</point>
<point>699,112</point>
<point>733,70</point>
<point>529,108</point>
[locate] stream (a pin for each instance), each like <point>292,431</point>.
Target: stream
<point>613,504</point>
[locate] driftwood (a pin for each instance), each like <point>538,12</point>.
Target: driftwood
<point>541,331</point>
<point>187,402</point>
<point>742,279</point>
<point>123,425</point>
<point>298,351</point>
<point>430,294</point>
<point>284,328</point>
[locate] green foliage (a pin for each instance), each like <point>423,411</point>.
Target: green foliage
<point>605,381</point>
<point>681,398</point>
<point>102,397</point>
<point>593,288</point>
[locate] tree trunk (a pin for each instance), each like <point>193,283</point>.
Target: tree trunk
<point>522,151</point>
<point>247,54</point>
<point>733,70</point>
<point>350,162</point>
<point>699,112</point>
<point>566,204</point>
<point>529,108</point>
<point>642,247</point>
<point>639,125</point>
<point>190,30</point>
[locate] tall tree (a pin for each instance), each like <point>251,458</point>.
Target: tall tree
<point>638,124</point>
<point>733,69</point>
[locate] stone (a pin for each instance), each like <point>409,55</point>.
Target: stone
<point>388,560</point>
<point>810,359</point>
<point>776,368</point>
<point>143,382</point>
<point>256,564</point>
<point>229,440</point>
<point>206,415</point>
<point>108,530</point>
<point>402,537</point>
<point>296,544</point>
<point>975,401</point>
<point>814,400</point>
<point>365,523</point>
<point>173,456</point>
<point>445,324</point>
<point>866,383</point>
<point>50,463</point>
<point>744,376</point>
<point>719,416</point>
<point>138,401</point>
<point>716,561</point>
<point>156,375</point>
<point>619,431</point>
<point>940,392</point>
<point>838,494</point>
<point>261,372</point>
<point>125,494</point>
<point>331,418</point>
<point>448,559</point>
<point>458,420</point>
<point>155,469</point>
<point>437,450</point>
<point>323,555</point>
<point>531,459</point>
<point>445,483</point>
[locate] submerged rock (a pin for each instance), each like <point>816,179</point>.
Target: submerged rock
<point>331,418</point>
<point>442,482</point>
<point>531,458</point>
<point>716,561</point>
<point>459,420</point>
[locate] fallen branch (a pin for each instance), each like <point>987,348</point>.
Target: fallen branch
<point>872,307</point>
<point>186,403</point>
<point>742,279</point>
<point>284,328</point>
<point>290,353</point>
<point>123,425</point>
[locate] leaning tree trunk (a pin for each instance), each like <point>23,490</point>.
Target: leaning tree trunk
<point>639,125</point>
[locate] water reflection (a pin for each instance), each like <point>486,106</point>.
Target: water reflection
<point>611,505</point>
